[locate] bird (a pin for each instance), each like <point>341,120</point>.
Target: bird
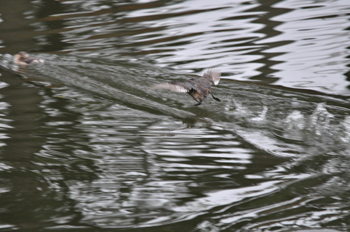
<point>23,58</point>
<point>197,88</point>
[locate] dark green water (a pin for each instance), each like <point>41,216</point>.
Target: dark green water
<point>86,145</point>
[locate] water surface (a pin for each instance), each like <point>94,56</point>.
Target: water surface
<point>86,145</point>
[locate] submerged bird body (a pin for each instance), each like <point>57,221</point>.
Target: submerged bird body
<point>23,58</point>
<point>197,88</point>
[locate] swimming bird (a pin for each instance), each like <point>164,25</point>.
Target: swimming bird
<point>23,58</point>
<point>197,88</point>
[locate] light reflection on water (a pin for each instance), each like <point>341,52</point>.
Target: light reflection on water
<point>86,144</point>
<point>319,47</point>
<point>290,43</point>
<point>126,167</point>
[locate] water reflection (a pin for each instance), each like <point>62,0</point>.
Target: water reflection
<point>21,174</point>
<point>318,47</point>
<point>85,143</point>
<point>51,39</point>
<point>281,42</point>
<point>125,156</point>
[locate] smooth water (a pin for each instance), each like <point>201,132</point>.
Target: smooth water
<point>86,145</point>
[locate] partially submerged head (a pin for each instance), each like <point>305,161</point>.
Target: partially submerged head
<point>22,58</point>
<point>23,55</point>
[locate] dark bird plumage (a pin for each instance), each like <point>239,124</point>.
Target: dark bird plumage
<point>197,88</point>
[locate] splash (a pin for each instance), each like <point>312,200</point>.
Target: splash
<point>345,126</point>
<point>294,126</point>
<point>319,121</point>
